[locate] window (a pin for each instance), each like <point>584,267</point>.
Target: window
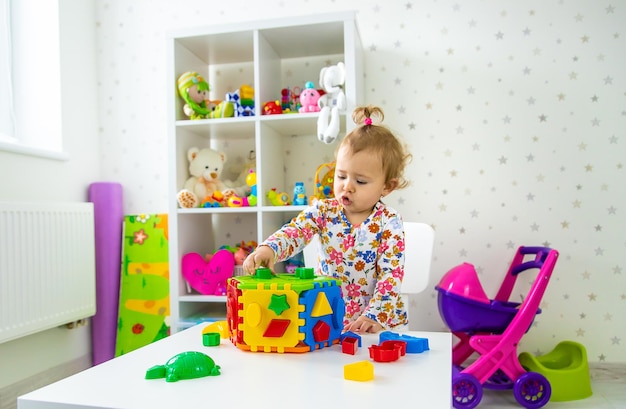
<point>6,90</point>
<point>30,78</point>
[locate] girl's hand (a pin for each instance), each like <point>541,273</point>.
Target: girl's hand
<point>263,256</point>
<point>363,325</point>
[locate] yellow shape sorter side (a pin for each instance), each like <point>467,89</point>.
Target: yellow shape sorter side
<point>260,316</point>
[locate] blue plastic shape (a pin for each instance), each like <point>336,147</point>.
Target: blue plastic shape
<point>414,345</point>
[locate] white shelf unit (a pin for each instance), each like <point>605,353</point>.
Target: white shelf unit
<point>267,55</point>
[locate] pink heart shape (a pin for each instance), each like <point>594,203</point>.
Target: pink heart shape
<point>208,278</point>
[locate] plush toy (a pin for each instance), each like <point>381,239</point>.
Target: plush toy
<point>223,109</point>
<point>208,275</point>
<point>193,89</point>
<point>332,102</point>
<point>240,186</point>
<point>205,169</point>
<point>308,98</point>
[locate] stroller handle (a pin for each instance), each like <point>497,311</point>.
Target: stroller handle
<point>541,254</point>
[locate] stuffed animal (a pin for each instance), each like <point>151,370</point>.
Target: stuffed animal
<point>208,275</point>
<point>240,186</point>
<point>205,169</point>
<point>308,98</point>
<point>332,102</point>
<point>193,89</point>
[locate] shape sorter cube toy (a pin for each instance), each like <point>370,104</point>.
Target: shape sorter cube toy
<point>298,312</point>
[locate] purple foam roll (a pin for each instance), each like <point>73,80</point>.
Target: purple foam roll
<point>108,217</point>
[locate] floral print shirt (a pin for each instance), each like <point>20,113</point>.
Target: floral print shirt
<point>368,259</point>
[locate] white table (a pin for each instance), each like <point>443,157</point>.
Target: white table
<point>257,379</point>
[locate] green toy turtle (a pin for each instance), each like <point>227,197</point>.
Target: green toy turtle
<point>186,365</point>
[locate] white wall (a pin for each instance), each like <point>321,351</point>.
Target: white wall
<point>515,112</point>
<point>31,178</point>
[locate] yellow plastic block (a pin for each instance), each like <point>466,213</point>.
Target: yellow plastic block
<point>258,317</point>
<point>321,307</point>
<point>220,327</point>
<point>359,371</point>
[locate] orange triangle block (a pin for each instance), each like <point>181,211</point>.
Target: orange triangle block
<point>321,307</point>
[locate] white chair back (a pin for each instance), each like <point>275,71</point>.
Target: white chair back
<point>419,239</point>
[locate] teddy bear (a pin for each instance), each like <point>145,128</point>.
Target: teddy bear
<point>205,169</point>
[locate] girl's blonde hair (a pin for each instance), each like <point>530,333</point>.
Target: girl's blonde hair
<point>368,136</point>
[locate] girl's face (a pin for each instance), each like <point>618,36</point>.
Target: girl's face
<point>359,183</point>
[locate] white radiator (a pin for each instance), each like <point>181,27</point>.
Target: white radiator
<point>47,266</point>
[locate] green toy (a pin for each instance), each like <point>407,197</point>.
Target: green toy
<point>565,367</point>
<point>193,89</point>
<point>186,365</point>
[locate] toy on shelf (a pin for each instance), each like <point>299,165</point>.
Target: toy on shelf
<point>205,168</point>
<point>324,181</point>
<point>186,365</point>
<point>240,256</point>
<point>208,275</point>
<point>493,329</point>
<point>241,185</point>
<point>251,199</point>
<point>193,89</point>
<point>223,109</point>
<point>299,194</point>
<point>290,100</point>
<point>242,101</point>
<point>332,102</point>
<point>308,98</point>
<point>285,99</point>
<point>215,200</point>
<point>278,198</point>
<point>272,108</point>
<point>235,104</point>
<point>295,99</point>
<point>298,312</point>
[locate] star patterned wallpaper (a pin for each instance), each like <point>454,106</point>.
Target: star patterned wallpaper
<point>515,113</point>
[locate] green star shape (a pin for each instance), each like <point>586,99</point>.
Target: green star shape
<point>278,304</point>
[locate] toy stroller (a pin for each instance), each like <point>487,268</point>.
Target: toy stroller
<point>493,329</point>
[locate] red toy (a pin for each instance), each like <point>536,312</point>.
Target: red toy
<point>272,108</point>
<point>349,345</point>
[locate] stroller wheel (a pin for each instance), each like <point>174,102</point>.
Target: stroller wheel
<point>532,390</point>
<point>466,391</point>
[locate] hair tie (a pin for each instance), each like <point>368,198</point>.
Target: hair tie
<point>368,121</point>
